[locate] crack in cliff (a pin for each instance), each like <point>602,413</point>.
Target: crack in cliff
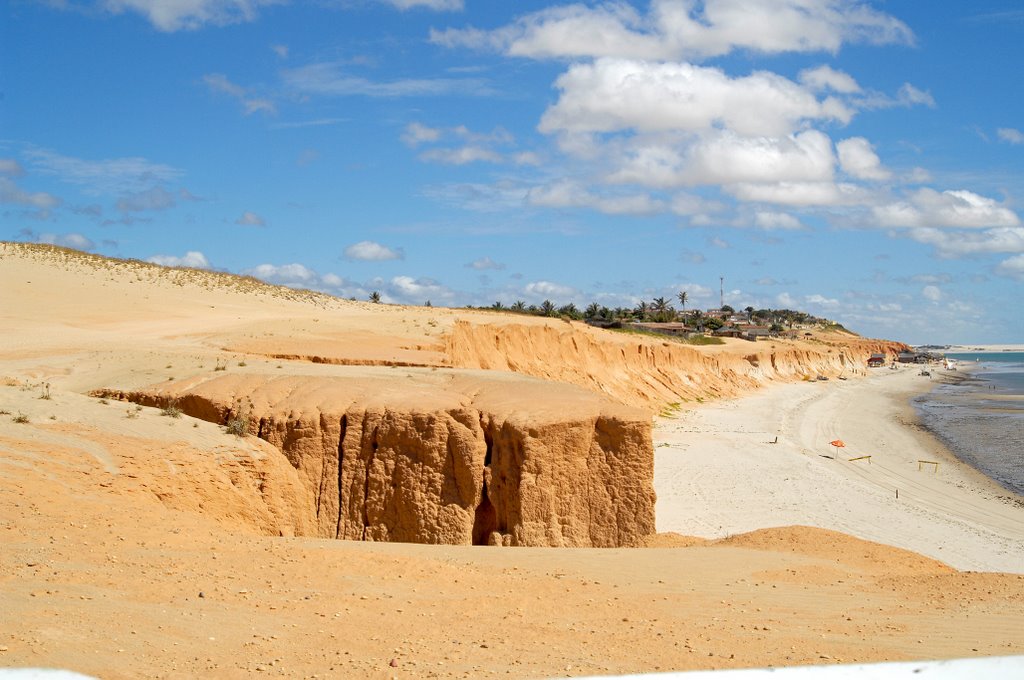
<point>341,468</point>
<point>323,470</point>
<point>366,482</point>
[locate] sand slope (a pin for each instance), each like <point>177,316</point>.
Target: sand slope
<point>139,545</point>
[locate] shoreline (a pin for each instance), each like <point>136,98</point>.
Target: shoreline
<point>717,472</point>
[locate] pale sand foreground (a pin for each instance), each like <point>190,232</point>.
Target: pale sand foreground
<point>717,474</point>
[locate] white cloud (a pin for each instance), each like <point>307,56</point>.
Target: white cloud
<point>548,290</point>
<point>251,219</point>
<point>1012,267</point>
<point>175,15</point>
<point>931,293</point>
<point>825,78</point>
<point>418,133</point>
<point>909,95</point>
<point>485,263</point>
<point>822,301</point>
<point>293,274</point>
<point>929,208</point>
<point>1011,135</point>
<point>774,221</point>
<point>786,300</point>
<point>11,167</point>
<point>69,240</point>
<point>417,291</point>
<point>462,156</point>
<point>858,158</point>
<point>11,193</point>
<point>280,50</point>
<point>800,194</point>
<point>950,244</point>
<point>193,259</point>
<point>110,176</point>
<point>571,194</point>
<point>370,251</point>
<point>619,94</point>
<point>439,5</point>
<point>328,79</point>
<point>218,82</point>
<point>674,30</point>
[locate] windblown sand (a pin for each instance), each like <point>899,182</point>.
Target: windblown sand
<point>129,543</point>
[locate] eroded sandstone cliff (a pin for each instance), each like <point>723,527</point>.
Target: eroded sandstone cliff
<point>647,372</point>
<point>445,457</point>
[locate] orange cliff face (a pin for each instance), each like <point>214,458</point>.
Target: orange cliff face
<point>442,458</point>
<point>648,372</point>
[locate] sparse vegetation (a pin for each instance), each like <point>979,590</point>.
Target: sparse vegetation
<point>131,414</point>
<point>20,418</point>
<point>238,422</point>
<point>171,410</point>
<point>44,391</point>
<point>220,366</point>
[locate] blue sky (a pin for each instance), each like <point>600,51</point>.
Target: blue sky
<point>863,161</point>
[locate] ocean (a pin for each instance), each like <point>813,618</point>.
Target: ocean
<point>980,415</point>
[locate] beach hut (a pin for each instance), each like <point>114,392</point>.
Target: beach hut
<point>876,360</point>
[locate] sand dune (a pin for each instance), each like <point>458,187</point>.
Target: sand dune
<point>136,544</point>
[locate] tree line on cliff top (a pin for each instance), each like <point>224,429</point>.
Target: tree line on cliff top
<point>658,310</point>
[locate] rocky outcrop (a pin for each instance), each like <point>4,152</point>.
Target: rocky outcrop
<point>445,457</point>
<point>648,372</point>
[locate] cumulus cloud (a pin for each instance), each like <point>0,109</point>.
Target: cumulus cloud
<point>931,293</point>
<point>800,194</point>
<point>1010,135</point>
<point>621,94</point>
<point>193,259</point>
<point>822,301</point>
<point>537,290</point>
<point>858,158</point>
<point>251,219</point>
<point>370,251</point>
<point>69,240</point>
<point>1012,267</point>
<point>485,263</point>
<point>825,78</point>
<point>673,30</point>
<point>772,221</point>
<point>176,15</point>
<point>930,208</point>
<point>293,274</point>
<point>954,243</point>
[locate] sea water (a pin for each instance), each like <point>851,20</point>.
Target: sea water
<point>980,416</point>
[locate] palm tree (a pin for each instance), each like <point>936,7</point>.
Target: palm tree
<point>518,306</point>
<point>641,311</point>
<point>375,297</point>
<point>497,306</point>
<point>683,297</point>
<point>547,308</point>
<point>593,311</point>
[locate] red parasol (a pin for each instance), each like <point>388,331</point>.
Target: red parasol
<point>838,443</point>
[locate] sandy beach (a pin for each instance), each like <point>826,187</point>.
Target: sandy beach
<point>717,474</point>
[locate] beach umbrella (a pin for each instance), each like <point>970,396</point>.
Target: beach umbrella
<point>838,443</point>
